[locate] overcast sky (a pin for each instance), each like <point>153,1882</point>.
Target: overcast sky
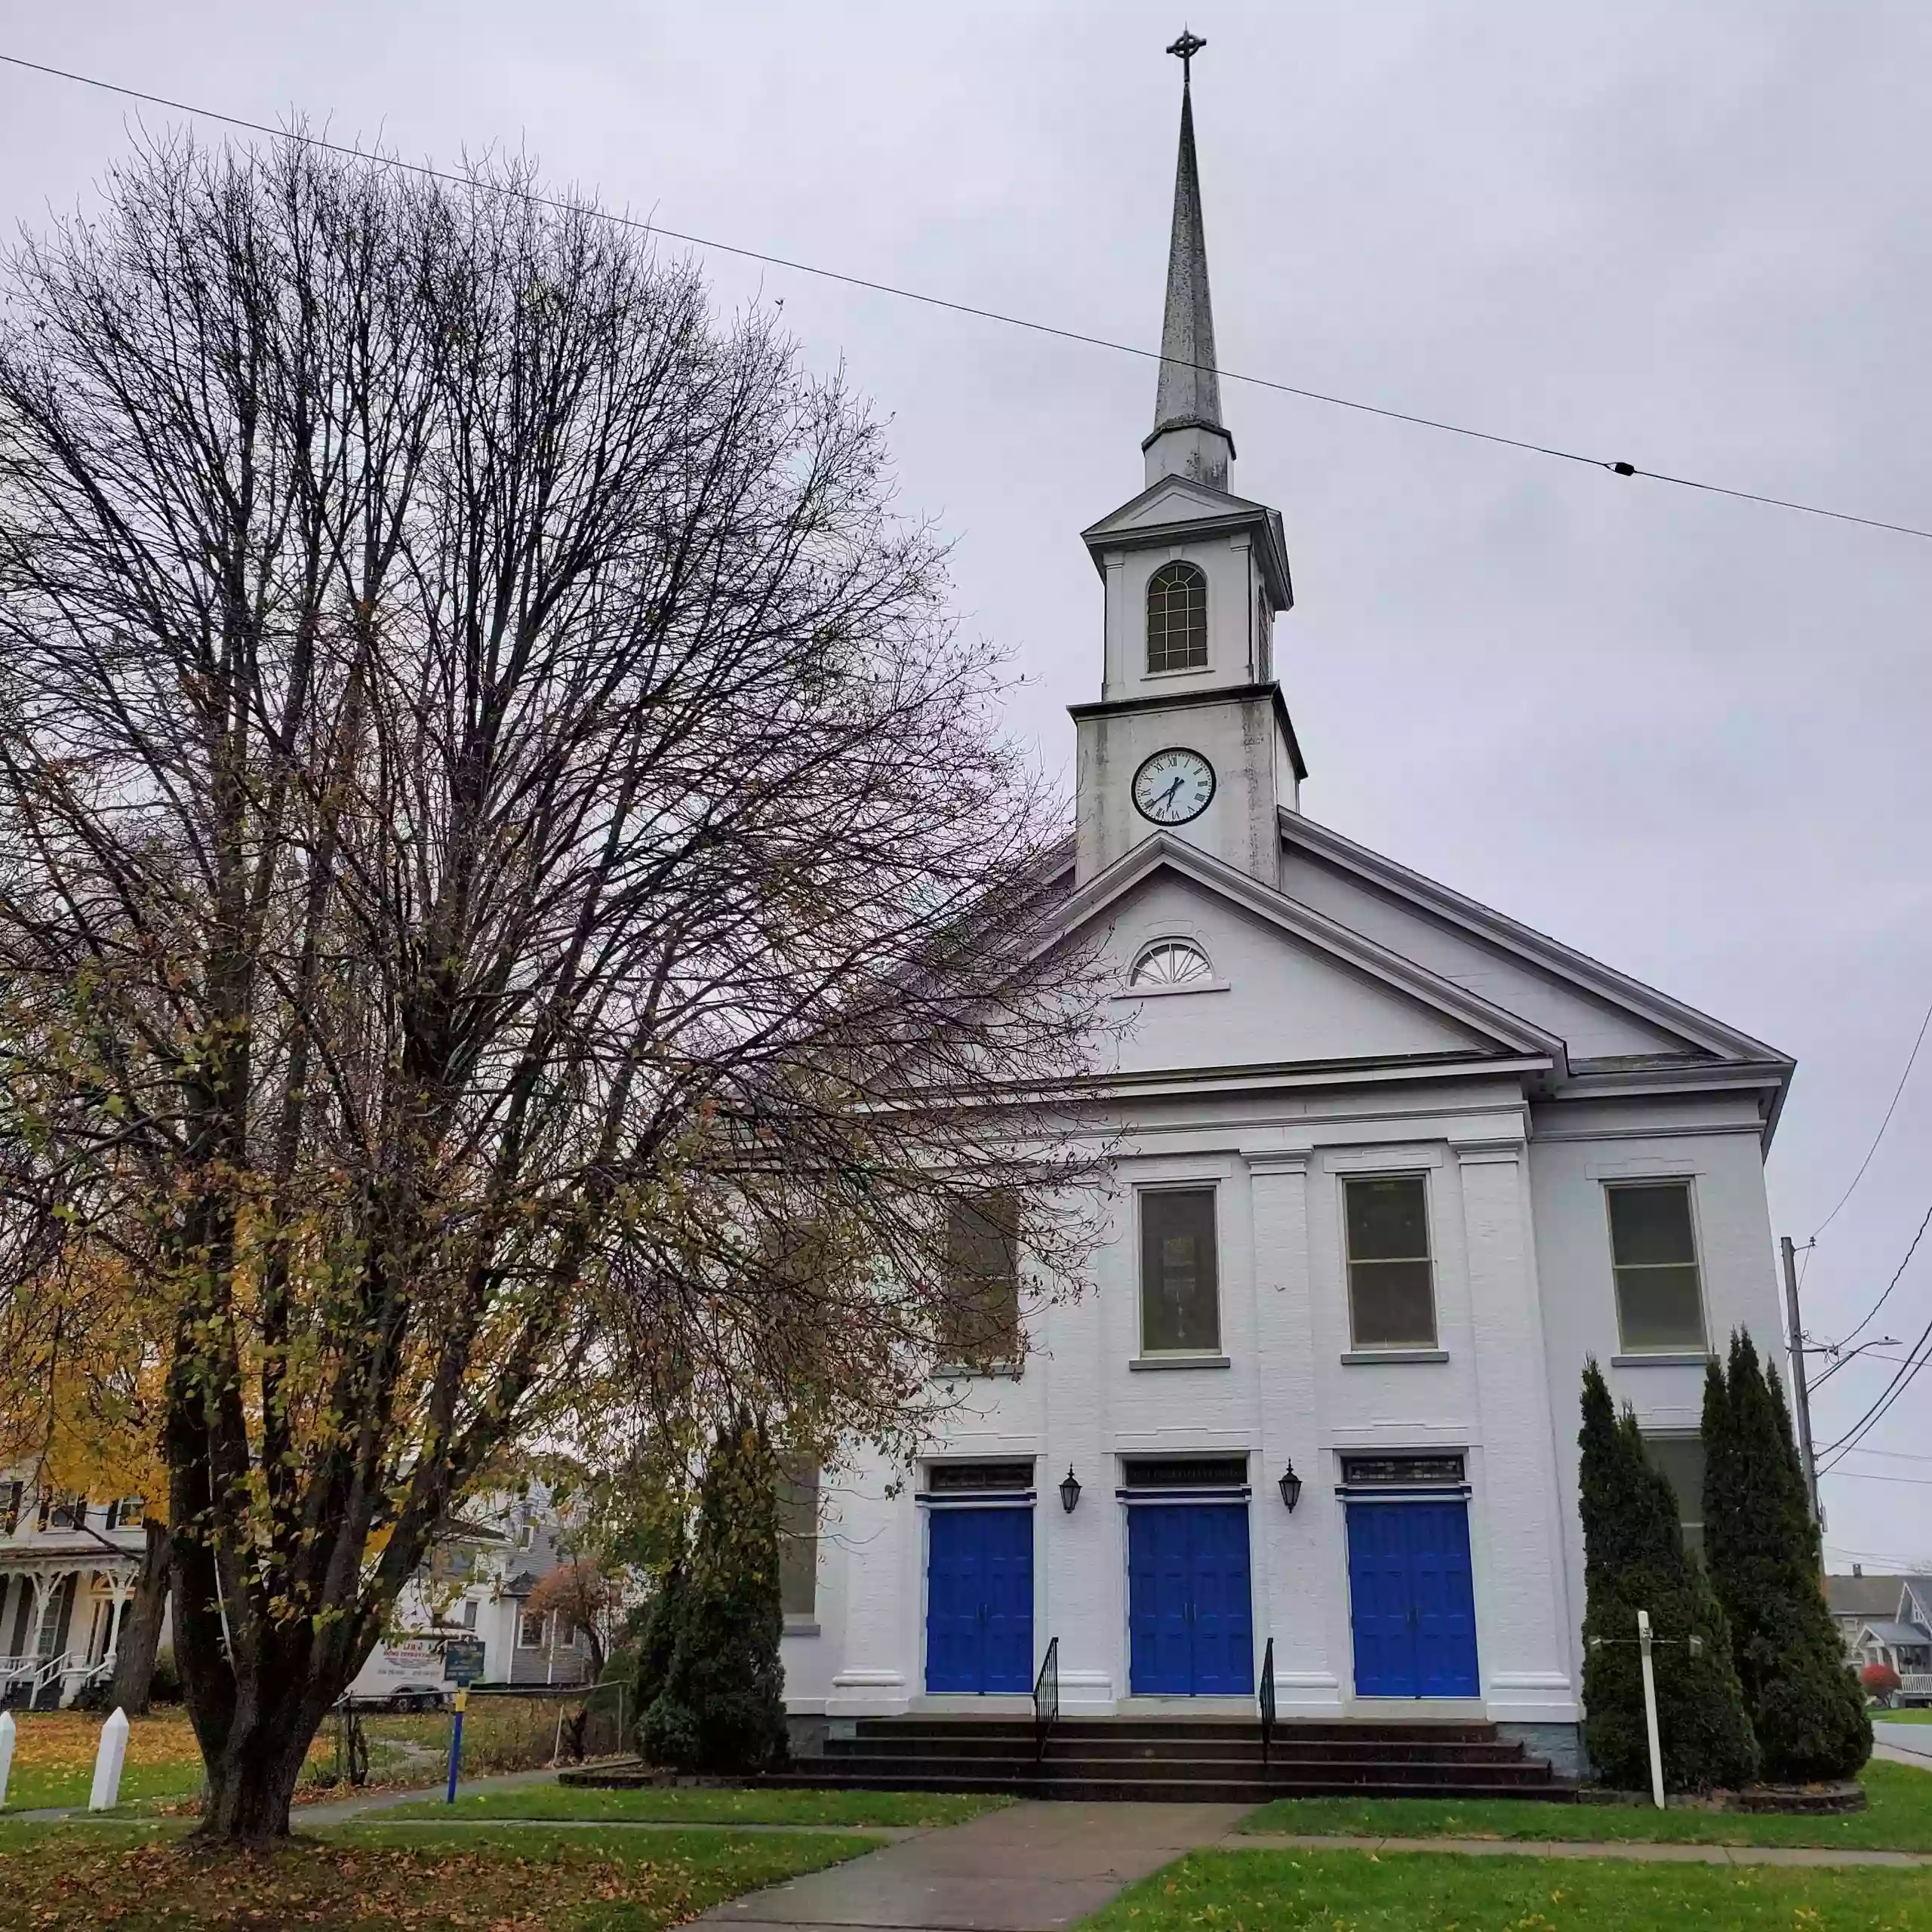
<point>1684,734</point>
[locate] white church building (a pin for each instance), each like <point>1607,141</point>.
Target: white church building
<point>1392,1168</point>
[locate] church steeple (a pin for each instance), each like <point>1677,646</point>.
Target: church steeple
<point>1189,438</point>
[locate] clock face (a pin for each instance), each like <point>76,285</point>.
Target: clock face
<point>1174,787</point>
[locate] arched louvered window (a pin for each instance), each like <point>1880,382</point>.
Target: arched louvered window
<point>1169,962</point>
<point>1176,618</point>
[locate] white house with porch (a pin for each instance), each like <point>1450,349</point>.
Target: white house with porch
<point>68,1570</point>
<point>1391,1166</point>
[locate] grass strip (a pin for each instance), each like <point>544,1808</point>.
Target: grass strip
<point>1899,1818</point>
<point>1279,1891</point>
<point>672,1804</point>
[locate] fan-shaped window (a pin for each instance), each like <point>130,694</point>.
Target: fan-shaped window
<point>1176,618</point>
<point>1169,962</point>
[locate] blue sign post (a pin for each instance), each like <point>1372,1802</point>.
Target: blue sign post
<point>456,1743</point>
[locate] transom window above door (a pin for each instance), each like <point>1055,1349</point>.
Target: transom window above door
<point>1180,1307</point>
<point>1654,1256</point>
<point>1169,962</point>
<point>1391,1288</point>
<point>1177,618</point>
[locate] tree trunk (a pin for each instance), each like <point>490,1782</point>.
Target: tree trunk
<point>140,1636</point>
<point>251,1783</point>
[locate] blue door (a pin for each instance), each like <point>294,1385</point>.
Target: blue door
<point>1190,1629</point>
<point>979,1601</point>
<point>1411,1600</point>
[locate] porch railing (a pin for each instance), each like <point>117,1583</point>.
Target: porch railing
<point>1267,1697</point>
<point>1046,1698</point>
<point>1916,1684</point>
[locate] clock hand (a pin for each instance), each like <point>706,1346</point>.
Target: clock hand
<point>1169,792</point>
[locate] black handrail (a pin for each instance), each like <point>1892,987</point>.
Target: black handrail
<point>1046,1698</point>
<point>1267,1700</point>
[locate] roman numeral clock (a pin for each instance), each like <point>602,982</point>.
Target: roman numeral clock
<point>1172,786</point>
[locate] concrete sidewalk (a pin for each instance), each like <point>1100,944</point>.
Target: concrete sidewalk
<point>1031,1868</point>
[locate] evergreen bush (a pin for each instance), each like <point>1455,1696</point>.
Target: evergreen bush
<point>1634,1559</point>
<point>721,1707</point>
<point>657,1640</point>
<point>1804,1701</point>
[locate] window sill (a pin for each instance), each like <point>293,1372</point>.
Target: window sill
<point>1168,992</point>
<point>960,1371</point>
<point>1663,1359</point>
<point>799,1625</point>
<point>1138,1363</point>
<point>1355,1358</point>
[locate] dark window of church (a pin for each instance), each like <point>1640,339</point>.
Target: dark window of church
<point>1680,1459</point>
<point>980,1325</point>
<point>798,1540</point>
<point>1391,1293</point>
<point>1653,1255</point>
<point>1180,1307</point>
<point>1176,618</point>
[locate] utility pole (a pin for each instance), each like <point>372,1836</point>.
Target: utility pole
<point>1800,1394</point>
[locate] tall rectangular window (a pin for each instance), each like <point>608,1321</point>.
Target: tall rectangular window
<point>797,1541</point>
<point>1680,1458</point>
<point>980,1325</point>
<point>1180,1303</point>
<point>1392,1289</point>
<point>1654,1256</point>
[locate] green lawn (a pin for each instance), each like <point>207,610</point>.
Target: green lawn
<point>1260,1891</point>
<point>1899,1818</point>
<point>1918,1714</point>
<point>375,1878</point>
<point>674,1805</point>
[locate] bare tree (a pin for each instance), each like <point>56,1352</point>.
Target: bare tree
<point>512,899</point>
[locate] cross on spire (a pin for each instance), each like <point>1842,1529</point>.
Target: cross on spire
<point>1189,44</point>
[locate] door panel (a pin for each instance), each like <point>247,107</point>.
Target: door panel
<point>1159,1664</point>
<point>1223,1631</point>
<point>1008,1573</point>
<point>1379,1601</point>
<point>1444,1601</point>
<point>979,1601</point>
<point>1412,1602</point>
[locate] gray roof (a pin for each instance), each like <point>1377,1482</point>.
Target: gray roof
<point>1864,1596</point>
<point>1889,1630</point>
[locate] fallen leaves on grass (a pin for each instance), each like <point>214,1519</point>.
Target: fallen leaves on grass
<point>359,1888</point>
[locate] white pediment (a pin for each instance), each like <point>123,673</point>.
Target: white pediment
<point>1287,989</point>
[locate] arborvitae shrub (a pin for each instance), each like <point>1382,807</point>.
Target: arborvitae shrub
<point>657,1640</point>
<point>1804,1701</point>
<point>721,1708</point>
<point>1634,1559</point>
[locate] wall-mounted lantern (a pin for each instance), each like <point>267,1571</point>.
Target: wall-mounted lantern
<point>1290,1488</point>
<point>1069,1490</point>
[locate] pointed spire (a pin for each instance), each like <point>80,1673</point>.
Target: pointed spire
<point>1188,438</point>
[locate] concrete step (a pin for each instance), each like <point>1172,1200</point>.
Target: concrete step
<point>858,1770</point>
<point>961,1746</point>
<point>1107,1789</point>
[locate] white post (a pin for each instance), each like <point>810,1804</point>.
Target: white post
<point>6,1752</point>
<point>1651,1707</point>
<point>108,1760</point>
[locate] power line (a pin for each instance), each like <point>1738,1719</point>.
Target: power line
<point>1617,467</point>
<point>1897,1093</point>
<point>1902,1379</point>
<point>1861,1475</point>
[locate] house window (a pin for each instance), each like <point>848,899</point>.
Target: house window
<point>980,1322</point>
<point>1176,618</point>
<point>1169,962</point>
<point>1653,1255</point>
<point>529,1631</point>
<point>1391,1292</point>
<point>10,1494</point>
<point>1180,1310</point>
<point>126,1512</point>
<point>1680,1458</point>
<point>469,1613</point>
<point>797,1541</point>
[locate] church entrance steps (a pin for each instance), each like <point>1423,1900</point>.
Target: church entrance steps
<point>1177,1760</point>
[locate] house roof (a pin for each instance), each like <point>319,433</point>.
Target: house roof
<point>1889,1630</point>
<point>1864,1596</point>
